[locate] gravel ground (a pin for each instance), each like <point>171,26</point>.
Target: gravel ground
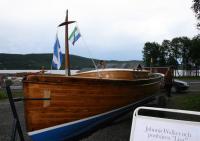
<point>7,120</point>
<point>116,131</point>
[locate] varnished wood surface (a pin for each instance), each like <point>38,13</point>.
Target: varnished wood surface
<point>74,98</point>
<point>115,74</point>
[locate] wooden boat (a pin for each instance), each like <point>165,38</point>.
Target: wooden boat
<point>77,103</point>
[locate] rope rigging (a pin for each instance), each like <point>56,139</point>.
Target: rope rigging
<point>89,52</point>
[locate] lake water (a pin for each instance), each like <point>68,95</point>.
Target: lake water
<point>186,72</point>
<point>176,73</point>
<point>34,71</point>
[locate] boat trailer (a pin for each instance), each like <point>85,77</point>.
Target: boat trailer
<point>16,126</point>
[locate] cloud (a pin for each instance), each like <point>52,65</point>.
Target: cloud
<point>114,29</point>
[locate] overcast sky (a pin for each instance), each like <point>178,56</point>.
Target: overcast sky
<point>111,29</point>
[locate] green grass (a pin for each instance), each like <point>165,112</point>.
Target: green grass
<point>190,101</point>
<point>188,78</point>
<point>3,94</point>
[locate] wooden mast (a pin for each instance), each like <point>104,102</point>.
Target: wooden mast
<point>67,58</point>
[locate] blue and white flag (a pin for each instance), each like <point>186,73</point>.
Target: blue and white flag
<point>57,55</point>
<point>75,35</point>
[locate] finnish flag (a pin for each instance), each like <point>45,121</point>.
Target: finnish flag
<point>57,55</point>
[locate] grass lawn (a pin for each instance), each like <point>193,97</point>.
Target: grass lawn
<point>188,78</point>
<point>187,101</point>
<point>3,94</point>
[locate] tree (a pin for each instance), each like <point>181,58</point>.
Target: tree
<point>180,52</point>
<point>196,9</point>
<point>173,52</point>
<point>151,51</point>
<point>185,52</point>
<point>168,53</point>
<point>176,46</point>
<point>162,56</point>
<point>195,55</point>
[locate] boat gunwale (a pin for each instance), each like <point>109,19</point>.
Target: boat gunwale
<point>136,81</point>
<point>99,71</point>
<point>111,69</point>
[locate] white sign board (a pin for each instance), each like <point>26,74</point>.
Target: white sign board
<point>146,128</point>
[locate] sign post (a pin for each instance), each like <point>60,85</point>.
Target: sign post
<point>148,128</point>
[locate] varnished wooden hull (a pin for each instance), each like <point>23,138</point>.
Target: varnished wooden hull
<point>83,96</point>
